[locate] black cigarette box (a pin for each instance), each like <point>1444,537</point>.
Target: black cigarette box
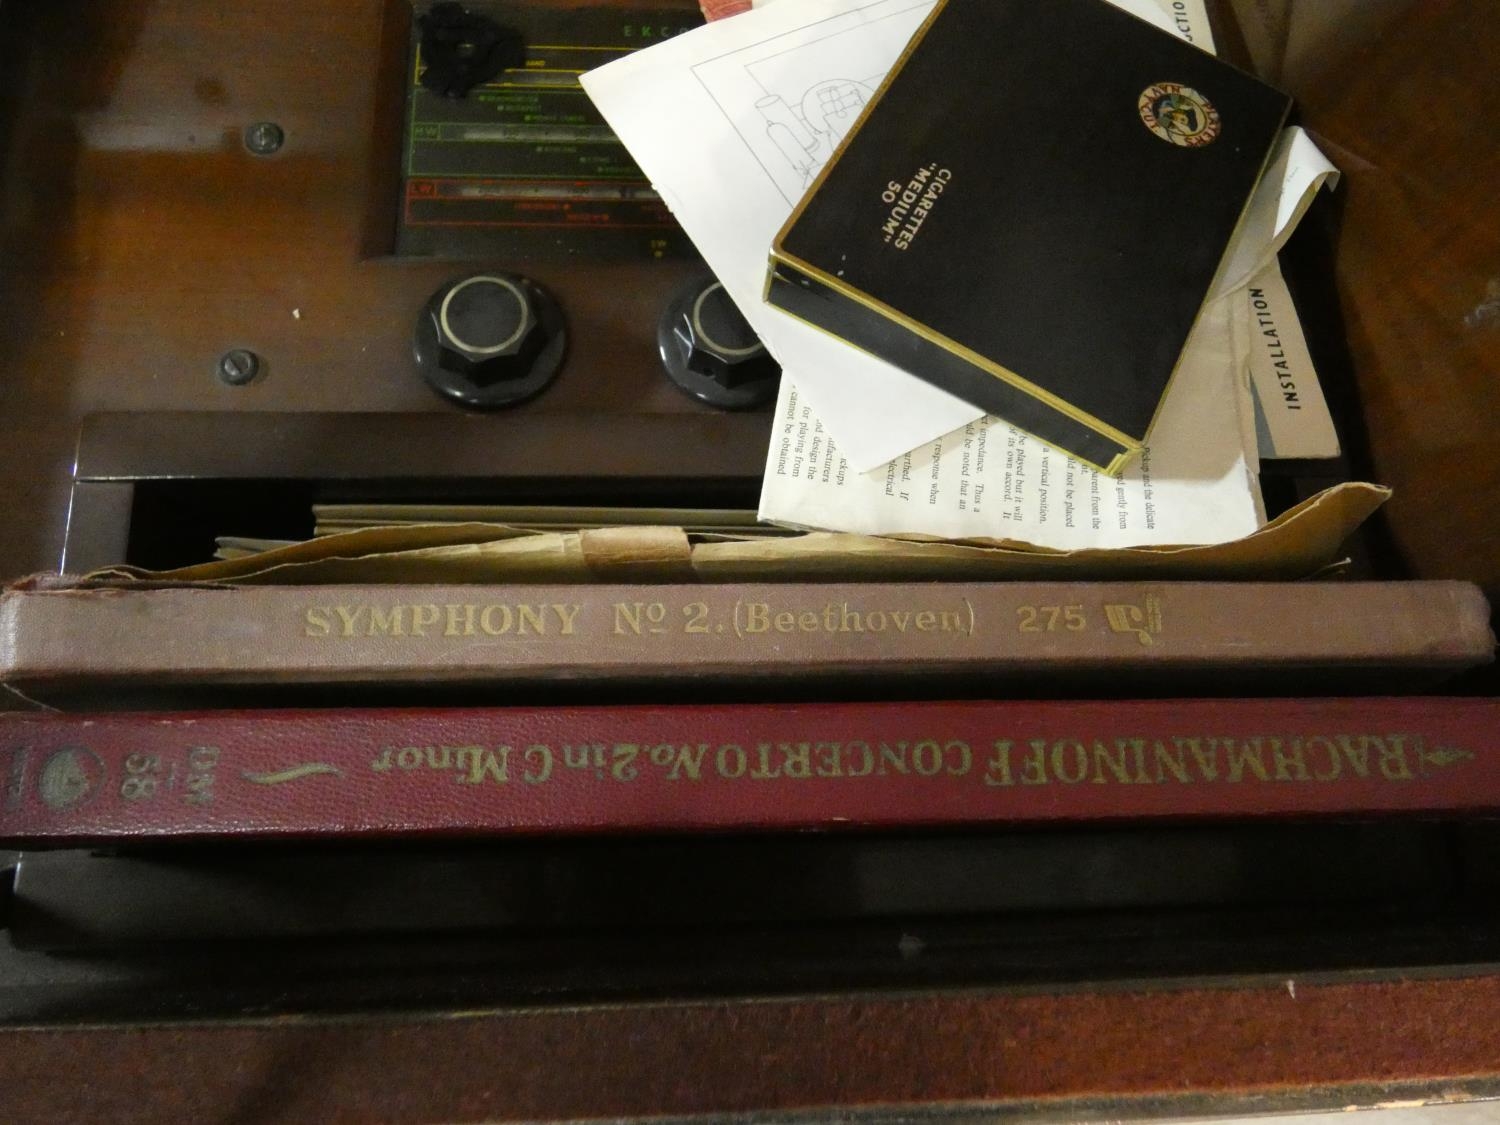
<point>1031,212</point>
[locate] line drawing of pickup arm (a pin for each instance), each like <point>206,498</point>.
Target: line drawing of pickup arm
<point>807,135</point>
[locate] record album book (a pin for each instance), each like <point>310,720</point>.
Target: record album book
<point>1031,213</point>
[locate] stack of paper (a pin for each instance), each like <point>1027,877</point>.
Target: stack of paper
<point>731,123</point>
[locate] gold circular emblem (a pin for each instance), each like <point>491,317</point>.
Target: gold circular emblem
<point>70,776</point>
<point>1179,114</point>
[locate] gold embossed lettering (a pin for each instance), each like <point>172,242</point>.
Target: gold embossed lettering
<point>963,755</point>
<point>622,761</point>
<point>895,757</point>
<point>1357,752</point>
<point>1173,761</point>
<point>200,775</point>
<point>422,616</point>
<point>409,757</point>
<point>385,624</point>
<point>1335,763</point>
<point>316,622</point>
<point>786,622</point>
<point>687,761</point>
<point>762,770</point>
<point>866,759</point>
<point>1393,761</point>
<point>1070,761</point>
<point>796,760</point>
<point>529,617</point>
<point>384,760</point>
<point>493,629</point>
<point>757,617</point>
<point>997,769</point>
<point>827,763</point>
<point>1249,757</point>
<point>567,616</point>
<point>1138,753</point>
<point>926,621</point>
<point>628,617</point>
<point>1208,761</point>
<point>349,620</point>
<point>1034,769</point>
<point>927,758</point>
<point>203,757</point>
<point>537,764</point>
<point>729,761</point>
<point>807,621</point>
<point>484,764</point>
<point>1290,765</point>
<point>1111,760</point>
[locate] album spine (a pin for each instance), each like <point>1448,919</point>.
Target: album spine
<point>65,640</point>
<point>362,773</point>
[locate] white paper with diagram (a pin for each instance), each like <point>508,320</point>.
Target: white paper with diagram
<point>731,121</point>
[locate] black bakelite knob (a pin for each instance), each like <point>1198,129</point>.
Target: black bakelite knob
<point>490,340</point>
<point>710,350</point>
<point>461,49</point>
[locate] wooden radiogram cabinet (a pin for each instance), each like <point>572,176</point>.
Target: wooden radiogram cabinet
<point>144,240</point>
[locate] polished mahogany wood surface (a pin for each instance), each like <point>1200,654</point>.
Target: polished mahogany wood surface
<point>142,240</point>
<point>1405,96</point>
<point>1096,1055</point>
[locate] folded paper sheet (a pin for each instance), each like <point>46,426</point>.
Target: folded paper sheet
<point>1192,485</point>
<point>732,122</point>
<point>753,93</point>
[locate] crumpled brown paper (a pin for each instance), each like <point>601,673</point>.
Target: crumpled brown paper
<point>1304,541</point>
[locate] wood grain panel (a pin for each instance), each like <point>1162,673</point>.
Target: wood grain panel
<point>988,1053</point>
<point>1406,99</point>
<point>142,240</point>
